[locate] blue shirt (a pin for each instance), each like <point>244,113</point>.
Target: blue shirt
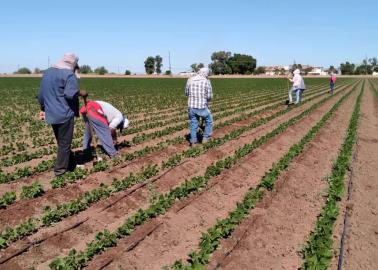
<point>58,95</point>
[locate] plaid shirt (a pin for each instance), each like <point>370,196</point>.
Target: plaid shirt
<point>199,92</point>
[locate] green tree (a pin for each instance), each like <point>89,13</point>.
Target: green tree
<point>219,63</point>
<point>85,69</point>
<point>149,65</point>
<point>37,71</point>
<point>332,69</point>
<point>259,70</point>
<point>195,67</point>
<point>127,72</point>
<point>241,63</point>
<point>347,68</point>
<point>158,64</point>
<point>101,70</point>
<point>23,70</point>
<point>168,72</point>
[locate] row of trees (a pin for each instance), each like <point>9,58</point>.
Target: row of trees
<point>366,67</point>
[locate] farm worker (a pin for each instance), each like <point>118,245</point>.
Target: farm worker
<point>105,120</point>
<point>199,92</point>
<point>298,86</point>
<point>59,99</point>
<point>332,82</point>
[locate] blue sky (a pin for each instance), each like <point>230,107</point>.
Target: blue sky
<point>123,33</point>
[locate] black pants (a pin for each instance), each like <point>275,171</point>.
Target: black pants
<point>65,160</point>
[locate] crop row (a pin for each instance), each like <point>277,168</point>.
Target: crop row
<point>318,252</point>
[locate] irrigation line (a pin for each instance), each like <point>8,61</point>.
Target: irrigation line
<point>347,209</point>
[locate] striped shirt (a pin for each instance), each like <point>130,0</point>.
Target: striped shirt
<point>199,92</point>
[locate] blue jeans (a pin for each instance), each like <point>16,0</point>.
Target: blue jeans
<point>194,116</point>
<point>299,95</point>
<point>103,134</point>
<point>332,87</point>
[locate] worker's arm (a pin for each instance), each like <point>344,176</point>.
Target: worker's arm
<point>209,91</point>
<point>41,102</point>
<point>187,88</point>
<point>113,132</point>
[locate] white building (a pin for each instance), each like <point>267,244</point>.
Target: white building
<point>318,71</point>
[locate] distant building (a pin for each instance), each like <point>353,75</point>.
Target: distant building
<point>186,74</point>
<point>276,70</point>
<point>318,71</point>
<point>375,73</point>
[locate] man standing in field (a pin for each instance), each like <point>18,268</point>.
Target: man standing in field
<point>199,92</point>
<point>298,86</point>
<point>104,119</point>
<point>59,99</point>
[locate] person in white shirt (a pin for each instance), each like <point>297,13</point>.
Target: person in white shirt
<point>298,87</point>
<point>105,120</point>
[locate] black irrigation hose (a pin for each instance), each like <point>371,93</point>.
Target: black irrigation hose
<point>346,217</point>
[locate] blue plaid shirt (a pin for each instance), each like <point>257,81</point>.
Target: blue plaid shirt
<point>199,92</point>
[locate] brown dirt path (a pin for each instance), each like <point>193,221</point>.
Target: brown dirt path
<point>272,235</point>
<point>79,236</point>
<point>180,230</point>
<point>362,231</point>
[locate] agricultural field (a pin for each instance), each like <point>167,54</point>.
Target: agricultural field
<point>271,190</point>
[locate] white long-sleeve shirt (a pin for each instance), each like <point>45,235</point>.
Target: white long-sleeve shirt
<point>112,114</point>
<point>297,79</point>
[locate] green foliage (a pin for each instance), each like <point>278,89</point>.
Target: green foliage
<point>33,191</point>
<point>242,63</point>
<point>85,69</point>
<point>196,67</point>
<point>101,70</point>
<point>127,72</point>
<point>23,70</point>
<point>7,199</point>
<point>149,65</point>
<point>10,235</point>
<point>158,64</point>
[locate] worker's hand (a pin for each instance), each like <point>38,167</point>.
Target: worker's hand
<point>83,93</point>
<point>41,116</point>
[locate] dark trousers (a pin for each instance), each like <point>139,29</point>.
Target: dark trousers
<point>65,160</point>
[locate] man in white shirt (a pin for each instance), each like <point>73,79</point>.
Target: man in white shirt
<point>298,86</point>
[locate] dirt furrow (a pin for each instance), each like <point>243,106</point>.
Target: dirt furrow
<point>271,237</point>
<point>114,216</point>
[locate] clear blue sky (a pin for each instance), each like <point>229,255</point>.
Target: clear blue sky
<point>124,33</point>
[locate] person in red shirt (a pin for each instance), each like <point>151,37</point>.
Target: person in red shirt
<point>104,123</point>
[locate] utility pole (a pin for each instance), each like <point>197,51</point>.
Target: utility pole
<point>48,61</point>
<point>169,59</point>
